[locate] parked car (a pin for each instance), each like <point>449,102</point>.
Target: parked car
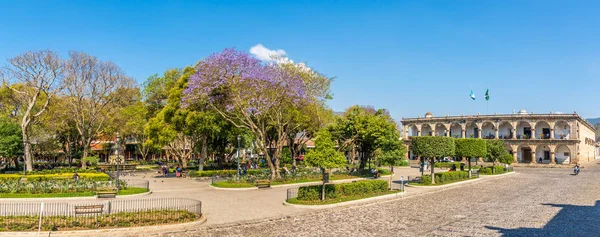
<point>447,159</point>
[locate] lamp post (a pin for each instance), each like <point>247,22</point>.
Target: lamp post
<point>118,159</point>
<point>239,138</point>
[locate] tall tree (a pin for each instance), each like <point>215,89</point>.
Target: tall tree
<point>184,129</point>
<point>433,147</point>
<point>470,148</point>
<point>366,130</point>
<point>92,88</point>
<point>496,152</point>
<point>391,154</point>
<point>249,95</point>
<point>34,77</point>
<point>325,156</point>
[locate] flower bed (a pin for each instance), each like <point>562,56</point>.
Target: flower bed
<point>60,188</point>
<point>124,219</point>
<point>59,176</point>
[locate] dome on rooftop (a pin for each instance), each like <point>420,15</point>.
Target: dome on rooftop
<point>428,115</point>
<point>522,111</point>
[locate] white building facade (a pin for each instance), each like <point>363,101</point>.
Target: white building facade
<point>530,138</point>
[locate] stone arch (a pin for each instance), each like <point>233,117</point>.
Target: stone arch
<point>543,152</point>
<point>472,130</point>
<point>426,130</point>
<point>525,153</point>
<point>488,130</point>
<point>542,130</point>
<point>505,130</point>
<point>563,154</point>
<point>456,130</point>
<point>413,130</point>
<point>524,130</point>
<point>440,129</point>
<point>562,130</point>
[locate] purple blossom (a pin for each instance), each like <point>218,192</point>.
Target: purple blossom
<point>240,82</point>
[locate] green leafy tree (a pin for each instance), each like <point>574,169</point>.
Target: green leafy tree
<point>392,155</point>
<point>470,148</point>
<point>325,155</point>
<point>11,142</point>
<point>496,152</point>
<point>366,130</point>
<point>432,147</point>
<point>156,89</point>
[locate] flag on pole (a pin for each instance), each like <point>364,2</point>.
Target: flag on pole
<point>487,94</point>
<point>472,95</point>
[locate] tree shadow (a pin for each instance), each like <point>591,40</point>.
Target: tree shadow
<point>571,220</point>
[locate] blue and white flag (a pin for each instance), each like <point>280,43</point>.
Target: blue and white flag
<point>472,95</point>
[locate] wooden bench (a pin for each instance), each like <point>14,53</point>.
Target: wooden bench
<point>106,193</point>
<point>90,209</point>
<point>263,183</point>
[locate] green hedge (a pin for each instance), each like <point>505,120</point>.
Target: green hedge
<point>43,177</point>
<point>332,191</point>
<point>499,169</point>
<point>211,173</point>
<point>445,177</point>
<point>446,164</point>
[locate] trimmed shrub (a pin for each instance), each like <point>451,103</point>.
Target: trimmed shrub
<point>358,188</point>
<point>446,164</point>
<point>445,177</point>
<point>498,169</point>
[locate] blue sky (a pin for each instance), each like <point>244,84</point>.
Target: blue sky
<point>409,57</point>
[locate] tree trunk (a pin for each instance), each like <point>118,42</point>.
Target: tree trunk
<point>323,188</point>
<point>203,153</point>
<point>86,150</point>
<point>432,171</point>
<point>27,150</point>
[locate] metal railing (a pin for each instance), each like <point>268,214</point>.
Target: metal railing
<point>133,183</point>
<point>75,215</point>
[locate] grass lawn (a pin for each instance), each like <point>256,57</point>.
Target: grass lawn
<point>339,199</point>
<point>132,190</point>
<point>438,184</point>
<point>225,184</point>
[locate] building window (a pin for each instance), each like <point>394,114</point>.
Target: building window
<point>566,153</point>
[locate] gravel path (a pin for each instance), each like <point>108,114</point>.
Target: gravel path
<point>536,201</point>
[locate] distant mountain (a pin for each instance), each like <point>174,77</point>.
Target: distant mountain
<point>594,121</point>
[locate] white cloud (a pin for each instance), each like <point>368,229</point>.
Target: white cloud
<point>263,53</point>
<point>278,56</point>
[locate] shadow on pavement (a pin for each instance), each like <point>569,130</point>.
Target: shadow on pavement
<point>572,220</point>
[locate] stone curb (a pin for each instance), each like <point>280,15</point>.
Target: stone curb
<point>393,195</point>
<point>296,184</point>
<point>114,232</point>
<point>71,198</point>
<point>461,182</point>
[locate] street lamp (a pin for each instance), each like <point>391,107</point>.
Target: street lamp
<point>118,159</point>
<point>239,138</point>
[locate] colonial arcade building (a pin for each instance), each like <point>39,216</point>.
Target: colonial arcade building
<point>551,138</point>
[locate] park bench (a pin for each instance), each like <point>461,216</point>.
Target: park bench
<point>89,209</point>
<point>106,193</point>
<point>475,173</point>
<point>263,183</point>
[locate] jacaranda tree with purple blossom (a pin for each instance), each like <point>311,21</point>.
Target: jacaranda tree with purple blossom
<point>250,95</point>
